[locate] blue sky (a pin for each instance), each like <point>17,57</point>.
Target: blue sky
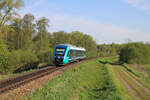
<point>106,21</point>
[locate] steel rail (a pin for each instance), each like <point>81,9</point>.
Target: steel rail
<point>15,82</point>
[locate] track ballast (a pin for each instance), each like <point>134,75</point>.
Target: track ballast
<point>15,82</point>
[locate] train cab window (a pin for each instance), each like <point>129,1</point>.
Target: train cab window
<point>60,51</point>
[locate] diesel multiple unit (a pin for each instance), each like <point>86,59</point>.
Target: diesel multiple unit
<point>65,53</point>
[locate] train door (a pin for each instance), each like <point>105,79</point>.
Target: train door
<point>71,55</point>
<point>68,56</point>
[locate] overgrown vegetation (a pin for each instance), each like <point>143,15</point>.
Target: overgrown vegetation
<point>120,86</point>
<point>84,82</point>
<point>108,90</point>
<point>4,57</point>
<point>135,53</point>
<point>110,63</point>
<point>140,74</point>
<point>108,49</point>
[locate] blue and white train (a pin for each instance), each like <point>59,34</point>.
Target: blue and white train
<point>65,53</point>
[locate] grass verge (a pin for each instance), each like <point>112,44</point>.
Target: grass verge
<point>143,77</point>
<point>9,75</point>
<point>120,86</point>
<point>139,91</point>
<point>87,81</point>
<point>110,64</point>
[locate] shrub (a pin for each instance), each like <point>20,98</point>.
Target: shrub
<point>45,56</point>
<point>91,53</point>
<point>135,53</point>
<point>4,58</point>
<point>22,60</point>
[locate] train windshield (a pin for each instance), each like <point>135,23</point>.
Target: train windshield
<point>60,52</point>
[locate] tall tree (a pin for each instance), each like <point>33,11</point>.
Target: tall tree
<point>60,37</point>
<point>8,10</point>
<point>76,38</point>
<point>28,28</point>
<point>16,37</point>
<point>42,39</point>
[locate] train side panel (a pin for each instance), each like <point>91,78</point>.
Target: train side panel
<point>66,56</point>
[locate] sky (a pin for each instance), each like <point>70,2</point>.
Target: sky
<point>107,21</point>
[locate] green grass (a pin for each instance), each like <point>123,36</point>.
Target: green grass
<point>9,75</point>
<point>148,67</point>
<point>87,81</point>
<point>109,60</point>
<point>120,86</point>
<point>6,76</point>
<point>139,91</point>
<point>110,64</point>
<point>143,77</point>
<point>139,75</point>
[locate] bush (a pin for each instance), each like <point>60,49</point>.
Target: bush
<point>22,60</point>
<point>45,56</point>
<point>108,49</point>
<point>135,53</point>
<point>4,58</point>
<point>91,53</point>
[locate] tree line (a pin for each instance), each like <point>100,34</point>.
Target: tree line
<point>108,49</point>
<point>131,53</point>
<point>26,42</point>
<point>135,53</point>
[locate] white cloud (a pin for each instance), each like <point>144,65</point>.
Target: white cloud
<point>103,33</point>
<point>29,8</point>
<point>142,4</point>
<point>35,4</point>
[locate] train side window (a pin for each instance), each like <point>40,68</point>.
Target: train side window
<point>79,53</point>
<point>71,53</point>
<point>76,53</point>
<point>83,53</point>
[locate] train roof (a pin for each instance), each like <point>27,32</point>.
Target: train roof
<point>71,47</point>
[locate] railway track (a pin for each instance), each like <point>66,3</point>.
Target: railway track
<point>15,82</point>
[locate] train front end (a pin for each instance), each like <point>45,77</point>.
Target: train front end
<point>60,55</point>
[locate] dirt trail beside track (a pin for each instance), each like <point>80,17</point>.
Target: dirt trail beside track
<point>136,89</point>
